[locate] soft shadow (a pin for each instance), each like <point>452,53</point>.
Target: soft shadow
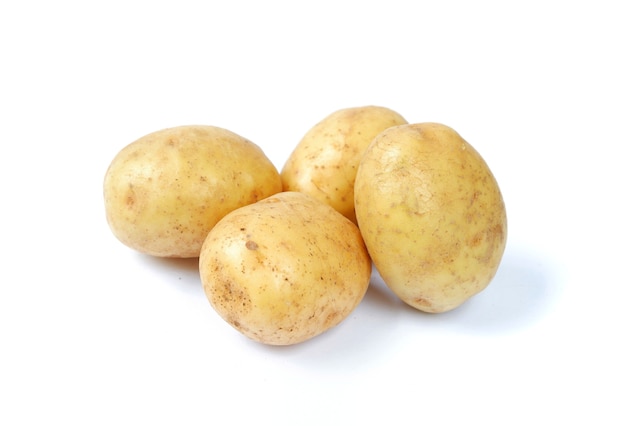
<point>520,295</point>
<point>185,265</point>
<point>183,273</point>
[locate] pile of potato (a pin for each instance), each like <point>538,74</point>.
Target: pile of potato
<point>285,256</point>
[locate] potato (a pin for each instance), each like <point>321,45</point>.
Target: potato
<point>284,269</point>
<point>431,215</point>
<point>164,192</point>
<point>325,161</point>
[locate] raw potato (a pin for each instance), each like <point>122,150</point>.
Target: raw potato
<point>285,269</point>
<point>431,214</point>
<point>164,192</point>
<point>325,162</point>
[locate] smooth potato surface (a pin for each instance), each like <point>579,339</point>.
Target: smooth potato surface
<point>325,161</point>
<point>166,190</point>
<point>431,214</point>
<point>284,269</point>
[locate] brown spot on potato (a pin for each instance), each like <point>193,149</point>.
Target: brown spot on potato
<point>422,303</point>
<point>332,318</point>
<point>251,245</point>
<point>476,240</point>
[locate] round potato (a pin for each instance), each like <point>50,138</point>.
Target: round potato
<point>431,214</point>
<point>164,192</point>
<point>284,269</point>
<point>325,161</point>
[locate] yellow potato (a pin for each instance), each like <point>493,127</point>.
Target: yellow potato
<point>325,161</point>
<point>284,269</point>
<point>431,215</point>
<point>165,191</point>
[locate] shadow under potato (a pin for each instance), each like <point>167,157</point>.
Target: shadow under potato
<point>176,270</point>
<point>520,294</point>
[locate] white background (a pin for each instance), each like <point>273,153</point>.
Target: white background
<point>94,333</point>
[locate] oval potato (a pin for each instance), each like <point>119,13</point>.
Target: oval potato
<point>325,161</point>
<point>166,190</point>
<point>431,214</point>
<point>284,269</point>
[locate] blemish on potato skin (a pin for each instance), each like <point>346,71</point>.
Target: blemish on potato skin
<point>421,302</point>
<point>475,240</point>
<point>251,245</point>
<point>332,318</point>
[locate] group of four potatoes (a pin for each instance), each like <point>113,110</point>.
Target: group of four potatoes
<point>285,256</point>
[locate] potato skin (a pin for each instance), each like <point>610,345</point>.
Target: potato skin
<point>284,269</point>
<point>431,214</point>
<point>166,190</point>
<point>325,161</point>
